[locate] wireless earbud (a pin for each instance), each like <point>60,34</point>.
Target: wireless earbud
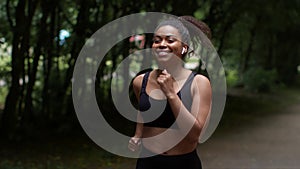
<point>183,51</point>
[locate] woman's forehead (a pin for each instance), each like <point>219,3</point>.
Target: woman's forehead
<point>167,30</point>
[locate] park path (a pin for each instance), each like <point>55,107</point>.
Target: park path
<point>271,142</point>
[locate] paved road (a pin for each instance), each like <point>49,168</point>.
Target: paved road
<point>270,143</point>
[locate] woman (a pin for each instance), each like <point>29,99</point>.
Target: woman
<point>170,82</point>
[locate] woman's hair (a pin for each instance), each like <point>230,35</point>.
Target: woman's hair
<point>182,23</point>
<point>183,31</point>
<point>199,24</point>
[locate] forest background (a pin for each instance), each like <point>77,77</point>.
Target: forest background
<point>40,40</point>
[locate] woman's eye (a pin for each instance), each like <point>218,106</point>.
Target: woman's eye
<point>156,40</point>
<point>159,40</point>
<point>171,40</point>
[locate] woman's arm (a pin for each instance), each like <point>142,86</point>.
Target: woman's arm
<point>135,141</point>
<point>201,96</point>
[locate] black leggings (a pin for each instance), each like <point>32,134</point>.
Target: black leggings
<point>184,161</point>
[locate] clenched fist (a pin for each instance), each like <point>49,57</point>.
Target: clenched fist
<point>134,144</point>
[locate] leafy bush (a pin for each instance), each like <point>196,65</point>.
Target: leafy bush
<point>232,78</point>
<point>259,80</point>
<point>6,164</point>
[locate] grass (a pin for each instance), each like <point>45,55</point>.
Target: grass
<point>59,152</point>
<point>77,151</point>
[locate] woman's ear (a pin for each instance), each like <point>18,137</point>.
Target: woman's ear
<point>184,50</point>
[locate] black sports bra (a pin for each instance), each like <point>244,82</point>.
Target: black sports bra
<point>166,118</point>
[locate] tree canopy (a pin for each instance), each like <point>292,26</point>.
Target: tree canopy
<point>258,42</point>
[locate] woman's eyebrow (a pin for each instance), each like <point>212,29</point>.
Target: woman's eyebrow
<point>168,35</point>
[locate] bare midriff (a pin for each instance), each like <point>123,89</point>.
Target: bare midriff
<point>156,145</point>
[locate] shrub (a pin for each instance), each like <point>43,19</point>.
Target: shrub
<point>259,80</point>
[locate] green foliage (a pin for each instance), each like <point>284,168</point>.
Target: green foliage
<point>5,68</point>
<point>10,165</point>
<point>232,78</point>
<point>259,80</point>
<point>241,32</point>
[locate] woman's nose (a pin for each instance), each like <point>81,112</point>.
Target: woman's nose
<point>163,44</point>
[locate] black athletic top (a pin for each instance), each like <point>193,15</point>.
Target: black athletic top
<point>166,118</point>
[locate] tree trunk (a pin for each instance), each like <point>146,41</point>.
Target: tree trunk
<point>10,116</point>
<point>28,116</point>
<point>48,61</point>
<point>253,30</point>
<point>80,35</point>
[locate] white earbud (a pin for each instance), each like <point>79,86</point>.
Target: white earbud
<point>183,51</point>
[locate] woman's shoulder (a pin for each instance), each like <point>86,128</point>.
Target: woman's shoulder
<point>200,77</point>
<point>201,81</point>
<point>137,81</point>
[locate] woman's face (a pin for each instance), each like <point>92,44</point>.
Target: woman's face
<point>167,43</point>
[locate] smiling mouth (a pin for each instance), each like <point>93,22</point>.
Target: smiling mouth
<point>163,53</point>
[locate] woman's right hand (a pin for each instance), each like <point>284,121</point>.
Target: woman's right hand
<point>134,144</point>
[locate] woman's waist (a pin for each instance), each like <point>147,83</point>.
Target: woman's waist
<point>175,151</point>
<point>166,141</point>
<point>153,131</point>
